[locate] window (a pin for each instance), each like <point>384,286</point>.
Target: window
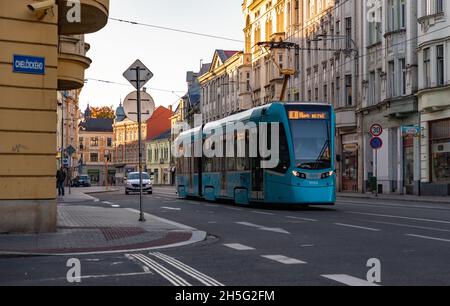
<point>348,90</point>
<point>439,6</point>
<point>348,32</point>
<point>403,75</point>
<point>109,142</point>
<point>94,141</point>
<point>426,67</point>
<point>391,76</point>
<point>402,14</point>
<point>371,96</point>
<point>94,157</point>
<point>440,65</point>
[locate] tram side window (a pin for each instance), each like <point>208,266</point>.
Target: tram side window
<point>243,163</point>
<point>284,163</point>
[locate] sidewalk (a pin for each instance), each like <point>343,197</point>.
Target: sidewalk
<point>396,197</point>
<point>80,195</point>
<point>86,230</point>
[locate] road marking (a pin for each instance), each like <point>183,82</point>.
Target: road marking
<point>410,226</point>
<point>204,279</point>
<point>161,270</point>
<point>350,280</point>
<point>399,217</point>
<point>358,227</point>
<point>99,276</point>
<point>170,208</point>
<point>106,202</point>
<point>262,213</point>
<point>284,260</point>
<point>429,238</point>
<point>115,206</point>
<point>393,205</point>
<point>238,246</point>
<point>264,228</point>
<point>303,219</point>
<point>232,208</point>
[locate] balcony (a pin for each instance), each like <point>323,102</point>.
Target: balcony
<point>345,118</point>
<point>94,16</point>
<point>72,62</point>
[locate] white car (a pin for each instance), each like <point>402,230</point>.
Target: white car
<point>132,183</point>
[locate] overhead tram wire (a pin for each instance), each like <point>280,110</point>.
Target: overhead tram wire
<point>176,30</point>
<point>129,85</point>
<point>298,84</point>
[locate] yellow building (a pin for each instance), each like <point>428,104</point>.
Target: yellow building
<point>37,58</point>
<point>159,157</point>
<point>125,146</point>
<point>265,21</point>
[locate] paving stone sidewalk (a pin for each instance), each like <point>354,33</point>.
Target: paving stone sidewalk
<point>86,230</point>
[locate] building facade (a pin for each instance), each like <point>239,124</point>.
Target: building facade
<point>226,87</point>
<point>328,36</point>
<point>265,21</point>
<point>434,92</point>
<point>95,150</point>
<point>389,87</point>
<point>28,105</point>
<point>159,158</point>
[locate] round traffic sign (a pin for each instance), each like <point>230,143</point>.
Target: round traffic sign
<point>376,143</point>
<point>147,106</point>
<point>376,130</point>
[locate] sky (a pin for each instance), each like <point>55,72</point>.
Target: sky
<point>169,55</point>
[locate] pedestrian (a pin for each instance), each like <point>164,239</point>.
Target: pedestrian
<point>60,179</point>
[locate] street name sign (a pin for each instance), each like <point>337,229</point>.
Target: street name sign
<point>131,74</point>
<point>28,64</point>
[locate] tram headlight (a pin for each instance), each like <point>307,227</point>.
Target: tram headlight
<point>327,174</point>
<point>299,174</point>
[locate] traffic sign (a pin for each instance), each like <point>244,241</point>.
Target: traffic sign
<point>376,143</point>
<point>147,106</point>
<point>70,150</point>
<point>131,74</point>
<point>376,130</point>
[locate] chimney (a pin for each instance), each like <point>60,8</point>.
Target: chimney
<point>144,89</point>
<point>170,107</point>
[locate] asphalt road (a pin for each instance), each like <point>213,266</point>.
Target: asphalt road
<point>268,246</point>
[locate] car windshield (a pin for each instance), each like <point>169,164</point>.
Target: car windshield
<point>311,139</point>
<point>135,176</point>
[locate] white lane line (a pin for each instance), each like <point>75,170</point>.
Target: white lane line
<point>170,208</point>
<point>238,246</point>
<point>161,270</point>
<point>429,238</point>
<point>409,226</point>
<point>106,202</point>
<point>399,217</point>
<point>203,278</point>
<point>264,228</point>
<point>303,219</point>
<point>358,227</point>
<point>262,213</point>
<point>115,206</point>
<point>350,280</point>
<point>284,260</point>
<point>232,208</point>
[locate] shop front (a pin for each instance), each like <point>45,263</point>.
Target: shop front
<point>440,151</point>
<point>349,161</point>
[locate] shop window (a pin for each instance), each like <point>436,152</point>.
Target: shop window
<point>440,151</point>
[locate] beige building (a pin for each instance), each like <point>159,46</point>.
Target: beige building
<point>265,21</point>
<point>34,64</point>
<point>95,150</point>
<point>226,86</point>
<point>125,146</point>
<point>159,157</point>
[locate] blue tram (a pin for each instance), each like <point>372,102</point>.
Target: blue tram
<point>304,174</point>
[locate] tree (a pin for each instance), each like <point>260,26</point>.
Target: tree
<point>103,112</point>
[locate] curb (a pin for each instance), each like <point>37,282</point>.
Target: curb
<point>417,200</point>
<point>196,236</point>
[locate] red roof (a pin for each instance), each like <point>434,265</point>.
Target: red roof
<point>159,122</point>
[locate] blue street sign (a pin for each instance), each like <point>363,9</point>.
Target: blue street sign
<point>28,64</point>
<point>411,130</point>
<point>376,143</point>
